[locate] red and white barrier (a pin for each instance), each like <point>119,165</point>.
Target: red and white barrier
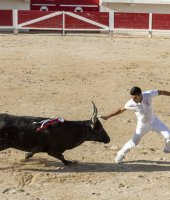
<point>40,20</point>
<point>83,21</point>
<point>86,21</point>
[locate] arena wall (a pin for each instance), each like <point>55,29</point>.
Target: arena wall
<point>14,4</point>
<point>67,21</point>
<point>136,7</point>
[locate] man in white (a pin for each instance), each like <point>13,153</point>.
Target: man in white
<point>141,103</point>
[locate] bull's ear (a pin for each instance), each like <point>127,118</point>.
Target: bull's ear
<point>92,124</point>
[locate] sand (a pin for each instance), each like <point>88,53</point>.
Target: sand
<point>49,75</point>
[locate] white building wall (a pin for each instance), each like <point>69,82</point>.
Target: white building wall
<point>139,8</point>
<point>14,4</point>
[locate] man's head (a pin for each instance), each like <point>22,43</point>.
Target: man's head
<point>136,93</point>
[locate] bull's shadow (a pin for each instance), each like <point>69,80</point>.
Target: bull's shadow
<point>131,166</point>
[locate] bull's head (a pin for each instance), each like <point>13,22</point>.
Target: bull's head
<point>98,132</point>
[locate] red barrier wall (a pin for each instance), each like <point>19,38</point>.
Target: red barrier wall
<point>6,18</point>
<point>53,22</point>
<point>82,2</point>
<point>161,21</point>
<point>121,20</point>
<point>73,23</point>
<point>131,20</point>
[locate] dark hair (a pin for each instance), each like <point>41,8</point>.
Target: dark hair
<point>135,91</point>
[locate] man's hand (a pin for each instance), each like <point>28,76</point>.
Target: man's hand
<point>105,117</point>
<point>163,92</point>
<point>117,112</point>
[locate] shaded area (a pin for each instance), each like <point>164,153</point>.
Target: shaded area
<point>54,167</point>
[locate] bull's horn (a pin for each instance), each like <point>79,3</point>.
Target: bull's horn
<point>94,116</point>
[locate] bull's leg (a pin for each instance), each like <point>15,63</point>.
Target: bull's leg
<point>33,150</point>
<point>28,155</point>
<point>61,157</point>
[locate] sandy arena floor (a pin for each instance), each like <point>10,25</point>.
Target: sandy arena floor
<point>49,76</point>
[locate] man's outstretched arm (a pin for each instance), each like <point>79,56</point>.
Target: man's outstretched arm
<point>163,92</point>
<point>117,112</point>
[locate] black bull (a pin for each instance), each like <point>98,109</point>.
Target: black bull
<point>19,132</point>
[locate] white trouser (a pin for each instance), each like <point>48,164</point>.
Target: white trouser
<point>142,129</point>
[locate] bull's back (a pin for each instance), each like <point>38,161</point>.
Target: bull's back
<point>19,132</point>
<point>19,120</point>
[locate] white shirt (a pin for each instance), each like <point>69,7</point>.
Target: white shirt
<point>143,110</point>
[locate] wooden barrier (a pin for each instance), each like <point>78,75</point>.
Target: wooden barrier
<point>40,20</point>
<point>83,21</point>
<point>131,20</point>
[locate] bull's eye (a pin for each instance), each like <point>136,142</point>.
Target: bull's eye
<point>97,128</point>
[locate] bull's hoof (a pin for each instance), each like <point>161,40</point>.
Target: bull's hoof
<point>71,163</point>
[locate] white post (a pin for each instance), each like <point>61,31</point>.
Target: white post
<point>15,21</point>
<point>150,25</point>
<point>111,22</point>
<point>100,5</point>
<point>63,28</point>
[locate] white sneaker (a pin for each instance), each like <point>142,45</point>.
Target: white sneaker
<point>167,147</point>
<point>166,151</point>
<point>119,157</point>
